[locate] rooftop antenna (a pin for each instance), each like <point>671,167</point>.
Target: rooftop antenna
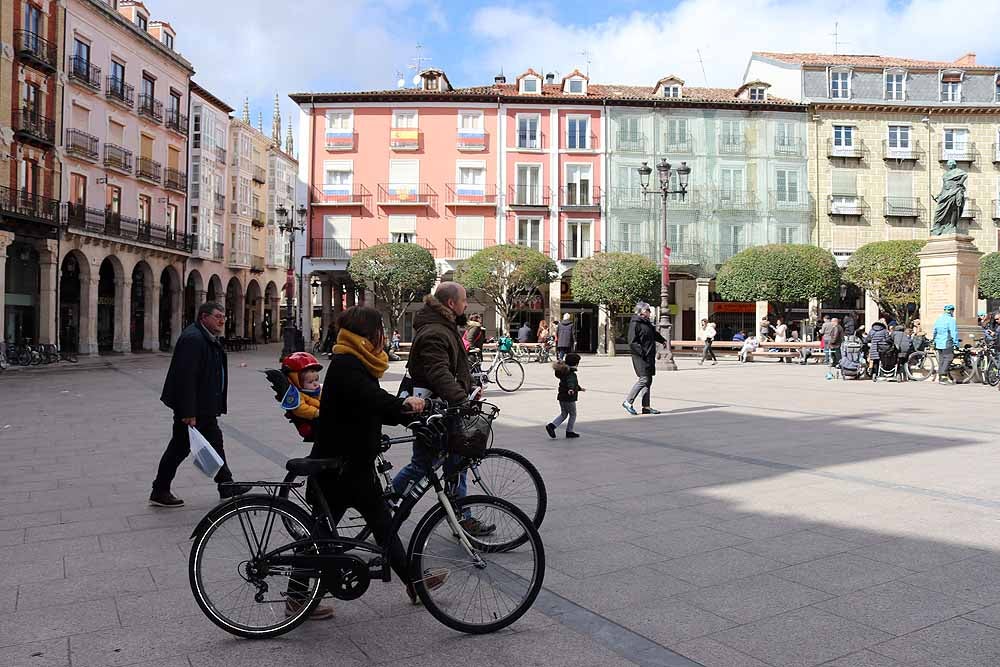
<point>701,62</point>
<point>417,63</point>
<point>400,79</point>
<point>587,55</point>
<point>836,38</point>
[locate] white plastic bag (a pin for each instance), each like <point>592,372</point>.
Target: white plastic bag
<point>203,455</point>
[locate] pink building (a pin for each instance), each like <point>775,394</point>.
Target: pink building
<point>454,170</point>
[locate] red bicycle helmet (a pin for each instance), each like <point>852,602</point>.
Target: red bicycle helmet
<point>300,361</point>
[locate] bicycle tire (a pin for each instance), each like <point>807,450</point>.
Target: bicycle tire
<point>920,366</point>
<point>434,533</point>
<point>36,357</point>
<point>23,357</point>
<point>501,485</point>
<point>966,370</point>
<point>991,375</point>
<point>513,378</point>
<point>197,569</point>
<point>3,361</point>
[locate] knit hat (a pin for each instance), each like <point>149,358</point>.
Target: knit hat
<point>572,359</point>
<point>566,317</point>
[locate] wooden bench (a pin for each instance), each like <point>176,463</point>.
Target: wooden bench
<point>774,355</point>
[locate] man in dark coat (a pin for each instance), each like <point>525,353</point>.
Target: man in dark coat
<point>195,389</point>
<point>642,340</point>
<point>524,333</point>
<point>850,325</point>
<point>565,337</point>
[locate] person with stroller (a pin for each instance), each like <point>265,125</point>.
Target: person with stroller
<point>879,344</point>
<point>901,341</point>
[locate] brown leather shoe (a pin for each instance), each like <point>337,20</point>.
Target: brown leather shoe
<point>433,579</point>
<point>320,613</point>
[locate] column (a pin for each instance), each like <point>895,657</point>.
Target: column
<point>555,300</point>
<point>6,239</point>
<point>605,339</point>
<point>274,304</point>
<point>123,316</point>
<point>361,294</point>
<point>678,332</point>
<point>151,336</point>
<point>88,314</point>
<point>326,302</point>
<point>351,295</point>
<point>701,301</point>
<point>239,308</point>
<point>47,263</point>
<point>200,297</point>
<point>871,310</point>
<point>761,314</point>
<point>177,315</point>
<point>814,308</point>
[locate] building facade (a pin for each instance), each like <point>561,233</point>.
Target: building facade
<point>31,62</point>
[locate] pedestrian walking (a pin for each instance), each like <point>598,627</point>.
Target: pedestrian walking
<point>565,337</point>
<point>945,336</point>
<point>707,336</point>
<point>824,338</point>
<point>569,390</point>
<point>642,340</point>
<point>265,327</point>
<point>781,336</point>
<point>904,346</point>
<point>195,389</point>
<point>850,324</point>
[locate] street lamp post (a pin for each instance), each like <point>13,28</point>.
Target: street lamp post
<point>665,361</point>
<point>289,224</point>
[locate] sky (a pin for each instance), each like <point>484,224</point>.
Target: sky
<point>256,48</point>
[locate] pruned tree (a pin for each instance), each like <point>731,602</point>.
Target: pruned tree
<point>614,282</point>
<point>989,276</point>
<point>890,271</point>
<point>781,274</point>
<point>397,273</point>
<point>507,274</point>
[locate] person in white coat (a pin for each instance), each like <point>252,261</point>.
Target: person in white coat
<point>708,336</point>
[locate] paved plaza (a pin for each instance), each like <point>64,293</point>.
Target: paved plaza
<point>769,517</point>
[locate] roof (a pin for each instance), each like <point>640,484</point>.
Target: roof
<point>209,97</point>
<point>857,60</point>
<point>576,73</point>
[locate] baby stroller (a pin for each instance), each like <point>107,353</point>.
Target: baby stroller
<point>853,364</point>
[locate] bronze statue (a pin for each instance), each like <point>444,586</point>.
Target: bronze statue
<point>950,201</point>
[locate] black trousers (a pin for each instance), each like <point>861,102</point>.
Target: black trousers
<point>945,357</point>
<point>707,351</point>
<point>180,446</point>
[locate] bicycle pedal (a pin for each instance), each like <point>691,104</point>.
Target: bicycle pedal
<point>384,467</point>
<point>378,569</point>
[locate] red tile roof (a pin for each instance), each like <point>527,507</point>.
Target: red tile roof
<point>853,60</point>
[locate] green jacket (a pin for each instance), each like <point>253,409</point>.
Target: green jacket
<point>438,360</point>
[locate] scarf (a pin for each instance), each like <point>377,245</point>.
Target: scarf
<point>361,348</point>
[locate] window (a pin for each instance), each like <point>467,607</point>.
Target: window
<point>788,234</point>
<point>843,140</point>
<point>996,97</point>
<point>956,142</point>
<point>787,186</point>
<point>734,240</point>
<point>578,180</point>
<point>174,106</point>
<point>677,237</point>
<point>672,91</point>
<point>732,182</point>
<point>141,21</point>
<point>575,86</point>
<point>117,83</point>
<point>82,52</point>
<point>168,40</point>
<point>578,132</point>
<point>405,119</point>
<point>31,98</point>
<point>528,185</point>
<point>337,227</point>
<point>340,120</point>
<point>338,177</point>
<point>758,94</point>
<point>951,87</point>
<point>731,135</point>
<point>145,208</point>
<point>148,88</point>
<point>113,199</point>
<point>530,84</point>
<point>840,85</point>
<point>899,136</point>
<point>528,135</point>
<point>676,138</point>
<point>844,187</point>
<point>196,129</point>
<point>33,19</point>
<point>784,135</point>
<point>529,232</point>
<point>471,178</point>
<point>431,83</point>
<point>196,181</point>
<point>578,235</point>
<point>78,189</point>
<point>172,217</point>
<point>894,82</point>
<point>470,120</point>
<point>403,228</point>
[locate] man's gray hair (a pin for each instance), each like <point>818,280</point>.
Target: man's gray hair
<point>641,306</point>
<point>448,291</point>
<point>210,307</point>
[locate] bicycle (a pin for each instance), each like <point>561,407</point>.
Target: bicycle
<point>507,372</point>
<point>3,357</point>
<point>922,364</point>
<point>243,561</point>
<point>52,354</point>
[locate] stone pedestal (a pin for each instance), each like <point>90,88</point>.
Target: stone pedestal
<point>949,274</point>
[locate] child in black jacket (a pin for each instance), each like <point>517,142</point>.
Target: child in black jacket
<point>569,388</point>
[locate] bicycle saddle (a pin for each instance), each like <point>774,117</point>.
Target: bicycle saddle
<point>308,467</point>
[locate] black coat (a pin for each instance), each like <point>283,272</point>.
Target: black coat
<point>565,335</point>
<point>642,340</point>
<point>198,380</point>
<point>878,340</point>
<point>569,386</point>
<point>352,410</point>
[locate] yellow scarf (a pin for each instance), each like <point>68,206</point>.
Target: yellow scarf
<point>362,348</point>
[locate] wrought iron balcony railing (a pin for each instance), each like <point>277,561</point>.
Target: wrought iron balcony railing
<point>151,108</point>
<point>120,92</point>
<point>82,145</point>
<point>578,249</point>
<point>535,244</point>
<point>901,207</point>
<point>912,151</point>
<point>788,147</point>
<point>335,248</point>
<point>83,72</point>
<point>32,127</point>
<point>580,197</point>
<point>530,141</point>
<point>220,155</point>
<point>341,195</point>
<point>239,259</point>
<point>465,248</point>
<point>733,146</point>
<point>406,194</point>
<point>257,264</point>
<point>677,144</point>
<point>116,157</point>
<point>257,218</point>
<point>220,202</point>
<point>528,196</point>
<point>423,243</point>
<point>470,194</point>
<point>28,207</point>
<point>630,142</point>
<point>790,200</point>
<point>177,122</point>
<point>109,223</point>
<point>846,205</point>
<point>855,149</point>
<point>149,169</point>
<point>959,151</point>
<point>175,179</point>
<point>735,201</point>
<point>33,49</point>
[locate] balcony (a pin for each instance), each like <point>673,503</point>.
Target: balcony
<point>335,248</point>
<point>239,259</point>
<point>151,108</point>
<point>528,196</point>
<point>340,140</point>
<point>82,72</point>
<point>964,151</point>
<point>341,195</point>
<point>912,151</point>
<point>853,150</point>
<point>628,198</point>
<point>220,155</point>
<point>733,146</point>
<point>82,145</point>
<point>471,140</point>
<point>257,264</point>
<point>423,243</point>
<point>677,144</point>
<point>465,248</point>
<point>690,253</point>
<point>726,251</point>
<point>636,247</point>
<point>257,218</point>
<point>467,194</point>
<point>28,207</point>
<point>970,211</point>
<point>117,158</point>
<point>177,122</point>
<point>996,209</point>
<point>580,197</point>
<point>405,194</point>
<point>849,205</point>
<point>535,245</point>
<point>630,142</point>
<point>528,141</point>
<point>175,180</point>
<point>37,52</point>
<point>220,203</point>
<point>787,147</point>
<point>901,207</point>
<point>259,174</point>
<point>579,249</point>
<point>218,251</point>
<point>119,92</point>
<point>32,127</point>
<point>118,226</point>
<point>736,201</point>
<point>148,169</point>
<point>792,200</point>
<point>404,139</point>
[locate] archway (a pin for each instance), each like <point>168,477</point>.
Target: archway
<point>193,296</point>
<point>21,306</point>
<point>214,293</point>
<point>106,305</point>
<point>268,326</point>
<point>169,311</point>
<point>141,330</point>
<point>252,311</point>
<point>74,304</point>
<point>234,308</point>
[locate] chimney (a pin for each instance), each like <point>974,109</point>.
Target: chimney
<point>499,78</point>
<point>550,77</point>
<point>968,60</point>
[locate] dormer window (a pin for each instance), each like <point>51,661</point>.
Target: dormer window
<point>431,83</point>
<point>168,40</point>
<point>575,83</point>
<point>895,84</point>
<point>142,21</point>
<point>951,86</point>
<point>758,93</point>
<point>996,97</point>
<point>669,86</point>
<point>531,84</point>
<point>575,86</point>
<point>672,91</point>
<point>840,84</point>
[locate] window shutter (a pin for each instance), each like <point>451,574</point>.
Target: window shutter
<point>845,182</point>
<point>899,184</point>
<point>402,224</point>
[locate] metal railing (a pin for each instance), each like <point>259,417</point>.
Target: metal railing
<point>82,145</point>
<point>32,126</point>
<point>423,243</point>
<point>790,200</point>
<point>175,179</point>
<point>580,197</point>
<point>726,250</point>
<point>787,147</point>
<point>677,144</point>
<point>578,249</point>
<point>109,223</point>
<point>239,259</point>
<point>912,151</point>
<point>628,198</point>
<point>118,91</point>
<point>220,203</point>
<point>177,121</point>
<point>465,248</point>
<point>341,195</point>
<point>82,71</point>
<point>33,48</point>
<point>589,143</point>
<point>735,200</point>
<point>465,194</point>
<point>630,142</point>
<point>259,174</point>
<point>528,196</point>
<point>218,250</point>
<point>406,194</point>
<point>535,245</point>
<point>957,151</point>
<point>117,157</point>
<point>28,206</point>
<point>731,146</point>
<point>257,218</point>
<point>335,248</point>
<point>901,207</point>
<point>856,149</point>
<point>529,141</point>
<point>849,205</point>
<point>151,108</point>
<point>149,169</point>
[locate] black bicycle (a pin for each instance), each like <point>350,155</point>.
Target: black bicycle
<point>246,566</point>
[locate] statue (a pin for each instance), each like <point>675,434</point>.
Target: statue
<point>950,201</point>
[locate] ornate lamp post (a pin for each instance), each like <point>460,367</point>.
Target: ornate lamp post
<point>290,224</point>
<point>665,361</point>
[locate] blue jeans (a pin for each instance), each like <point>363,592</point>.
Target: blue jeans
<point>423,461</point>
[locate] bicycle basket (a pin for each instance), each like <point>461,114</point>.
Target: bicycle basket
<point>469,435</point>
<point>505,344</point>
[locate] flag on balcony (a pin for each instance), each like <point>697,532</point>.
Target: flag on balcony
<point>471,138</point>
<point>470,192</point>
<point>404,138</point>
<point>337,193</point>
<point>339,140</point>
<point>402,192</point>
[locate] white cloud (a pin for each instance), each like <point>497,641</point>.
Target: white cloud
<point>640,47</point>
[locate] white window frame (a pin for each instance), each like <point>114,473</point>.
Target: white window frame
<point>479,165</point>
<point>757,94</point>
<point>899,150</point>
<point>398,114</point>
<point>673,91</point>
<point>958,150</point>
<point>784,230</point>
<point>538,86</point>
<point>540,222</point>
<point>836,72</point>
<point>783,197</point>
<point>898,95</point>
<point>340,115</point>
<point>540,168</point>
<point>580,249</point>
<point>471,113</point>
<point>846,145</point>
<point>569,86</point>
<point>538,131</point>
<point>956,97</point>
<point>732,192</point>
<point>586,136</point>
<point>583,198</point>
<point>339,167</point>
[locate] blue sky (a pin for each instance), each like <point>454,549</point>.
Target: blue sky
<point>255,48</point>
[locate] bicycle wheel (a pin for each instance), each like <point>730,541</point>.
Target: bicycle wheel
<point>920,366</point>
<point>963,369</point>
<point>233,585</point>
<point>502,473</point>
<point>3,361</point>
<point>509,374</point>
<point>351,525</point>
<point>991,375</point>
<point>24,357</point>
<point>488,590</point>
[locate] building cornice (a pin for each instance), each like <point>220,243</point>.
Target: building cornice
<point>907,108</point>
<point>210,98</point>
<point>114,17</point>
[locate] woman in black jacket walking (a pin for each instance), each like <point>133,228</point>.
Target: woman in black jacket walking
<point>642,340</point>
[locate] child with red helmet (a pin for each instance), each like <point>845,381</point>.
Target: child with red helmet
<point>301,399</point>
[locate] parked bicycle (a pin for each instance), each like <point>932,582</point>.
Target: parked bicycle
<point>923,364</point>
<point>244,561</point>
<point>506,371</point>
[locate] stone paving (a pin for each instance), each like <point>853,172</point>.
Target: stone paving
<point>770,517</point>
